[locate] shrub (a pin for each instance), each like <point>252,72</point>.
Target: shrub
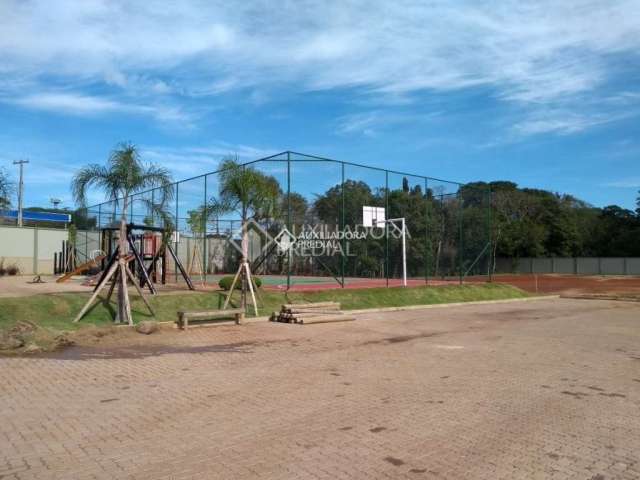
<point>13,270</point>
<point>225,283</point>
<point>3,271</point>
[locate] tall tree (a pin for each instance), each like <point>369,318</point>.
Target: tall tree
<point>253,194</point>
<point>6,189</point>
<point>245,190</point>
<point>124,175</point>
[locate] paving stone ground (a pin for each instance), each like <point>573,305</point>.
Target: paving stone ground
<point>533,390</point>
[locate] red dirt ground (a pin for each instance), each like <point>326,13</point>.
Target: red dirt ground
<point>549,284</point>
<point>570,284</point>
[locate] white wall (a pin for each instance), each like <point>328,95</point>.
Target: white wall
<point>31,249</point>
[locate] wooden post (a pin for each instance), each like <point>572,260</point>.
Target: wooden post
<point>135,284</point>
<point>233,285</point>
<point>250,282</point>
<point>97,291</point>
<point>125,293</point>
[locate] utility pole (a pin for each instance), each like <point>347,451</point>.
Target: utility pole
<point>20,189</point>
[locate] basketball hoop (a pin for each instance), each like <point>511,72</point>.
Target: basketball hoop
<point>376,217</point>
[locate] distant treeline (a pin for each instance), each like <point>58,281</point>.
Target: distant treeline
<point>537,223</point>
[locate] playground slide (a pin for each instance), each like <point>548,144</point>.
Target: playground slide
<point>81,268</point>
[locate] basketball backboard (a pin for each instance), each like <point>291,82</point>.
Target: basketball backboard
<point>373,216</point>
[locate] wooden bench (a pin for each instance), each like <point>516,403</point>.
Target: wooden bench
<point>185,316</point>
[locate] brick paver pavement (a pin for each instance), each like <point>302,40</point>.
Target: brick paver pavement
<point>545,389</point>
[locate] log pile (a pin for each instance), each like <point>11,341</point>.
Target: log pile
<point>307,313</point>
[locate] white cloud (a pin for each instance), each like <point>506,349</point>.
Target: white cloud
<point>371,122</point>
<point>631,182</point>
<point>364,123</point>
<point>188,161</point>
<point>78,104</point>
<point>561,122</point>
<point>529,53</point>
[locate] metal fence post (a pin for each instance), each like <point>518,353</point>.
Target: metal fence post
<point>289,217</point>
<point>205,217</point>
<point>342,220</point>
<point>386,226</point>
<point>490,214</point>
<point>176,228</point>
<point>460,246</point>
<point>426,232</point>
<point>599,265</point>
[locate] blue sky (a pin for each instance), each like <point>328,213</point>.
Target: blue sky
<point>545,94</point>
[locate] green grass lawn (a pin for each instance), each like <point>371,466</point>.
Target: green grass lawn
<point>58,310</point>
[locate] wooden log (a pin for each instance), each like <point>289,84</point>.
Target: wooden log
<point>325,319</point>
<point>312,311</point>
<point>323,305</point>
<point>286,319</point>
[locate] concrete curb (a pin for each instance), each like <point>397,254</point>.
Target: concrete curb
<point>611,298</point>
<point>382,310</point>
<point>454,304</point>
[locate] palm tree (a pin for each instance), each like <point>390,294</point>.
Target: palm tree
<point>6,189</point>
<point>124,175</point>
<point>249,191</point>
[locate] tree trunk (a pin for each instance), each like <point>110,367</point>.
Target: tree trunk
<point>245,257</point>
<point>122,315</point>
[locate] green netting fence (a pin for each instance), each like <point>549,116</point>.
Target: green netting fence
<point>320,205</point>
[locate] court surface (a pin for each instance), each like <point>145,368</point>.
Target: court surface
<point>546,389</point>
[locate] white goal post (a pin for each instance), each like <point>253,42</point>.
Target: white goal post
<point>376,217</point>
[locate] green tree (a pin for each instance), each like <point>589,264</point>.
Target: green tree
<point>196,220</point>
<point>299,209</point>
<point>328,206</point>
<point>250,192</point>
<point>6,189</point>
<point>124,175</point>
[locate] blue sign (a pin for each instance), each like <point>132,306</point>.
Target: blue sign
<point>37,216</point>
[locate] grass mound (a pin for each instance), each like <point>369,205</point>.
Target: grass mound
<point>57,310</point>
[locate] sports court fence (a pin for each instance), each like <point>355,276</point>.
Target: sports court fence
<point>448,223</point>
